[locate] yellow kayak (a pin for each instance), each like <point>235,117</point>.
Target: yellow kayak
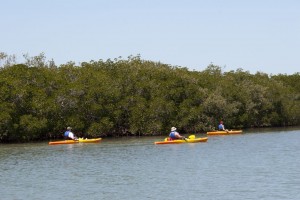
<point>190,139</point>
<point>86,140</point>
<point>80,140</point>
<point>229,132</point>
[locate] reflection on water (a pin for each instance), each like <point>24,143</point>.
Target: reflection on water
<point>253,165</point>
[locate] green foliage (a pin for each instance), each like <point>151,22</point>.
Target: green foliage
<point>32,128</point>
<point>131,96</point>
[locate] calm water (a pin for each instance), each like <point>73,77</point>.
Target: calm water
<point>254,165</point>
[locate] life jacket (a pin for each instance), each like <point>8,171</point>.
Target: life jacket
<point>172,135</point>
<point>66,134</point>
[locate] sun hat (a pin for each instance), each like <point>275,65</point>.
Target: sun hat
<point>173,129</point>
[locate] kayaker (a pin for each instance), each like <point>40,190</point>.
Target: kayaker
<point>221,127</point>
<point>174,135</point>
<point>69,134</point>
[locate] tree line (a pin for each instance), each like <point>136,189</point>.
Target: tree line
<point>132,96</point>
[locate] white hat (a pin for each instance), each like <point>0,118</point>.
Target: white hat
<point>69,128</point>
<point>173,129</point>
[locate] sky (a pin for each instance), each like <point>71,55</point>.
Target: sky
<point>252,35</point>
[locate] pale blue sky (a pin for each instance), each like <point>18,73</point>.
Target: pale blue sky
<point>255,35</point>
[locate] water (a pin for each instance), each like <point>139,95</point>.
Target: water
<point>254,165</point>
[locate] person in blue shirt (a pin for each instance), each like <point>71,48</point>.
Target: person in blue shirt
<point>69,135</point>
<point>174,135</point>
<point>221,127</point>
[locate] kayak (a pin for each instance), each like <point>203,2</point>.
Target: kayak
<point>229,132</point>
<point>80,140</point>
<point>190,139</point>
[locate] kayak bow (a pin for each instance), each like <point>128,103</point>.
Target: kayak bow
<point>90,140</point>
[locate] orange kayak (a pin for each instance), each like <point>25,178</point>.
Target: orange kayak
<point>187,140</point>
<point>80,140</point>
<point>229,132</point>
